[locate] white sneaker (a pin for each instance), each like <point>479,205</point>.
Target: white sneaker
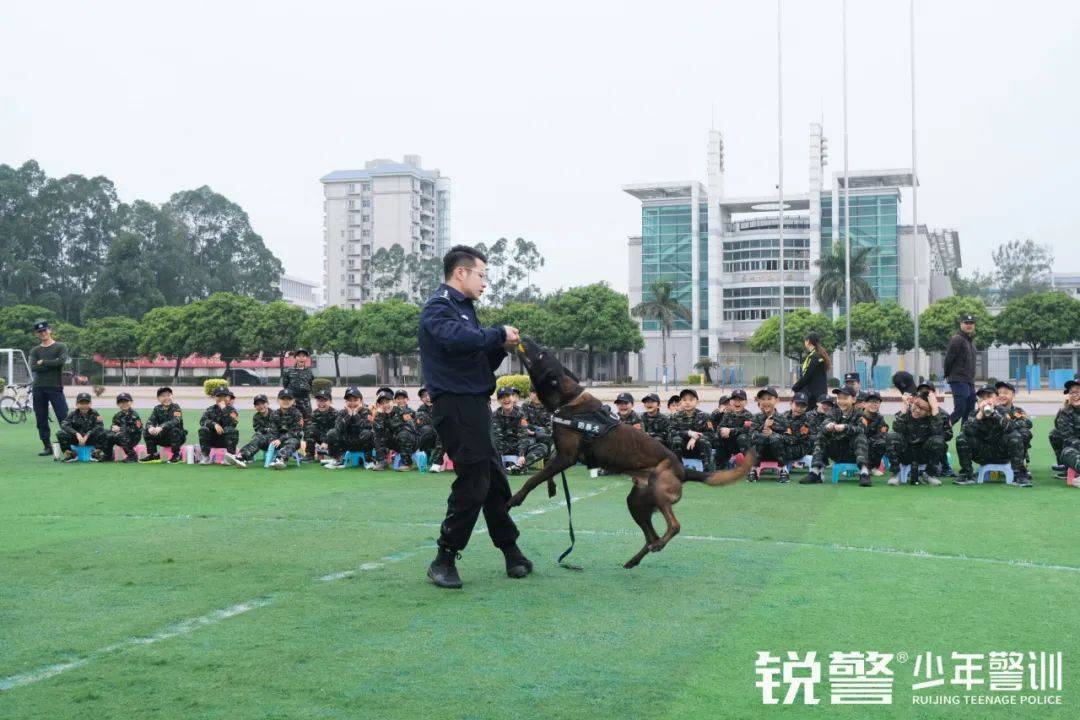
<point>894,480</point>
<point>435,468</point>
<point>931,480</point>
<point>235,460</point>
<point>877,472</point>
<point>277,465</point>
<point>333,465</point>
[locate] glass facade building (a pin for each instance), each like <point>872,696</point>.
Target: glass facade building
<point>874,223</point>
<point>667,254</point>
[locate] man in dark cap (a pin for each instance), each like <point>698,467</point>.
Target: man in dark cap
<point>767,433</point>
<point>47,361</point>
<point>624,405</point>
<point>654,422</point>
<point>124,431</point>
<point>842,440</point>
<point>733,433</point>
<point>690,432</point>
<point>218,426</point>
<point>299,379</point>
<point>459,357</point>
<point>989,437</point>
<point>82,427</point>
<point>959,365</point>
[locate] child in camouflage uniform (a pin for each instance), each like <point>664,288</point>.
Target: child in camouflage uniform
<point>800,428</point>
<point>689,431</point>
<point>323,418</point>
<point>876,430</point>
<point>510,434</point>
<point>624,404</point>
<point>394,430</point>
<point>989,437</point>
<point>299,379</point>
<point>262,422</point>
<point>165,426</point>
<point>218,426</point>
<point>842,439</point>
<point>734,431</point>
<point>654,422</point>
<point>1067,426</point>
<point>125,430</point>
<point>1021,420</point>
<point>82,427</point>
<point>427,437</point>
<point>918,437</point>
<point>354,430</point>
<point>401,400</point>
<point>767,434</point>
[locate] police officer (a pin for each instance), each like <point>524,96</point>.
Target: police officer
<point>125,430</point>
<point>654,422</point>
<point>218,426</point>
<point>459,358</point>
<point>959,365</point>
<point>299,380</point>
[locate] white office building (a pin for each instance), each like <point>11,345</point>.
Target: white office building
<point>306,294</point>
<point>386,203</point>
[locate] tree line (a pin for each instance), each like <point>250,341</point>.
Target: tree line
<point>69,244</point>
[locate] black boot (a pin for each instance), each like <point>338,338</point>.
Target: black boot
<point>442,571</point>
<point>47,450</point>
<point>517,565</point>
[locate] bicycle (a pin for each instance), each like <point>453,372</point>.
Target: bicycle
<point>15,403</point>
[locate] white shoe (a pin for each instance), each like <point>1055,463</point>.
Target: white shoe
<point>894,480</point>
<point>333,465</point>
<point>435,468</point>
<point>931,480</point>
<point>877,472</point>
<point>277,465</point>
<point>235,460</point>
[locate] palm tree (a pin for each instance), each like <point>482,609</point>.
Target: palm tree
<point>705,365</point>
<point>829,287</point>
<point>665,310</point>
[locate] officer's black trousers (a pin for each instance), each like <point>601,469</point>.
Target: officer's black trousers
<point>464,426</point>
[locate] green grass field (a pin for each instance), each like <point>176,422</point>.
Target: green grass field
<point>191,592</point>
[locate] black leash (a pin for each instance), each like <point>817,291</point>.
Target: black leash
<point>570,522</point>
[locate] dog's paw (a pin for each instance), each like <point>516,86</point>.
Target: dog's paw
<point>513,502</point>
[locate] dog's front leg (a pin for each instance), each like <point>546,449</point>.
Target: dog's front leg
<point>558,463</point>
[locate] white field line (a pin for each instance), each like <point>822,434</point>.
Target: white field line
<point>924,554</point>
<point>185,627</point>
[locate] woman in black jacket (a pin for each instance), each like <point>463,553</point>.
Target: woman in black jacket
<point>815,369</point>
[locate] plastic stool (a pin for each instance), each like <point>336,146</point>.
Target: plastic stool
<point>806,461</point>
<point>905,473</point>
<point>271,455</point>
<point>119,454</point>
<point>448,464</point>
<point>420,459</point>
<point>1070,478</point>
<point>217,456</point>
<point>736,459</point>
<point>885,465</point>
<point>83,453</point>
<point>354,458</point>
<point>986,470</point>
<point>768,465</point>
<point>694,464</point>
<point>843,468</point>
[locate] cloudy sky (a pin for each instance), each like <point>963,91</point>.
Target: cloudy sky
<point>540,112</point>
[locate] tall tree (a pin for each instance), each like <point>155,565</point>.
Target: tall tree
<point>1039,322</point>
<point>24,245</point>
<point>940,321</point>
<point>423,275</point>
<point>275,329</point>
<point>1023,267</point>
<point>167,331</point>
<point>226,254</point>
<point>528,258</point>
<point>126,285</point>
<point>797,323</point>
<point>17,325</point>
<point>215,324</point>
<point>829,287</point>
<point>387,330</point>
<point>977,284</point>
<point>115,338</point>
<point>332,331</point>
<point>665,310</point>
<point>388,273</point>
<point>593,318</point>
<point>878,328</point>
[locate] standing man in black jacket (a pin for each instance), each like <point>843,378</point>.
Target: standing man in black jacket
<point>960,369</point>
<point>459,358</point>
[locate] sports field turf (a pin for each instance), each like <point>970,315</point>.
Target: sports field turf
<point>191,592</point>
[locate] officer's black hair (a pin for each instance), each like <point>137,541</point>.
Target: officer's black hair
<point>461,255</point>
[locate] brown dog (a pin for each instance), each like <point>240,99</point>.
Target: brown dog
<point>658,473</point>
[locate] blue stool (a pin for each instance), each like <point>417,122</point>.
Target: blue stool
<point>694,464</point>
<point>905,473</point>
<point>842,469</point>
<point>83,453</point>
<point>986,470</point>
<point>271,455</point>
<point>354,458</point>
<point>885,463</point>
<point>420,459</point>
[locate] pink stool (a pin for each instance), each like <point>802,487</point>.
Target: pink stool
<point>217,456</point>
<point>165,452</point>
<point>1070,478</point>
<point>768,465</point>
<point>448,464</point>
<point>119,454</point>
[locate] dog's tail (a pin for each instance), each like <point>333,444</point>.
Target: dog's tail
<point>723,477</point>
